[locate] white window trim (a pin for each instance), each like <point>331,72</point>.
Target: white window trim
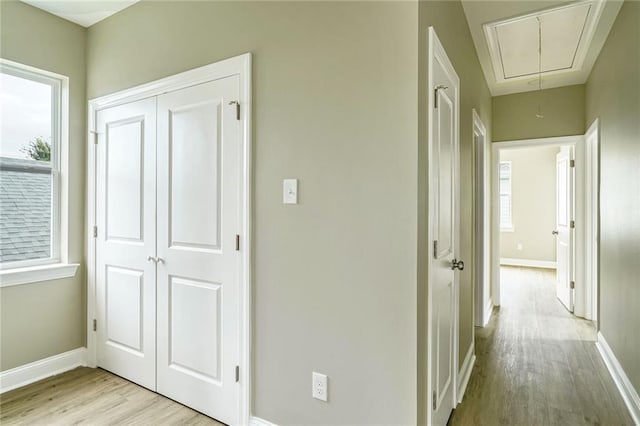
<point>507,227</point>
<point>58,266</point>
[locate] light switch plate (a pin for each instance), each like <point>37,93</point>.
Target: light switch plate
<point>290,191</point>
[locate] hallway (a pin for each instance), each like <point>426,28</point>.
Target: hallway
<point>537,364</point>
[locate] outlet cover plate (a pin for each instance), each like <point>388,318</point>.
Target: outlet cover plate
<point>319,386</point>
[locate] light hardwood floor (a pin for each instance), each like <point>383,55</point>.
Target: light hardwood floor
<point>93,397</point>
<point>537,364</point>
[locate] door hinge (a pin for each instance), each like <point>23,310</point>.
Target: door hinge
<point>572,285</point>
<point>237,242</point>
<point>95,324</point>
<point>435,94</point>
<point>95,232</point>
<point>572,163</point>
<point>237,104</point>
<point>435,249</point>
<point>572,224</point>
<point>237,373</point>
<point>434,400</point>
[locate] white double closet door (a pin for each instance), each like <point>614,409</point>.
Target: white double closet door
<point>167,267</point>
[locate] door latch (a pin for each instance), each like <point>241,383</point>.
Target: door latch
<point>457,264</point>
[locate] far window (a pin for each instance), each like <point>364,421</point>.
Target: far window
<point>29,167</point>
<point>505,195</point>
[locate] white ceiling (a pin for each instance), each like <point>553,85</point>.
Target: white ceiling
<point>505,34</point>
<point>82,12</point>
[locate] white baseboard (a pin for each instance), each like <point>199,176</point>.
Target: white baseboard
<point>38,370</point>
<point>257,421</point>
<point>465,372</point>
<point>528,262</point>
<point>488,310</point>
<point>629,394</point>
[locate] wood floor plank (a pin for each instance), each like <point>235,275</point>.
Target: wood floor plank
<point>537,364</point>
<point>87,396</point>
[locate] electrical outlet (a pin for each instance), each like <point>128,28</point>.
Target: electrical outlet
<point>519,246</point>
<point>319,388</point>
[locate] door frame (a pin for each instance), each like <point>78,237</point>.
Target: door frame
<point>436,50</point>
<point>592,213</point>
<point>482,251</point>
<point>240,66</point>
<point>583,229</point>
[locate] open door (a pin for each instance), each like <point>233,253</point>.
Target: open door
<point>564,231</point>
<point>444,220</point>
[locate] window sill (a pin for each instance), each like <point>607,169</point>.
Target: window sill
<point>34,274</point>
<point>508,229</point>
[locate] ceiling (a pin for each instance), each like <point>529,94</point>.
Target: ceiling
<point>506,36</point>
<point>82,12</point>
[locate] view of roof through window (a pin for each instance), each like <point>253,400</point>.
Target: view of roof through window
<point>25,169</point>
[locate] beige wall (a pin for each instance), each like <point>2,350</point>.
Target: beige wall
<point>448,19</point>
<point>613,96</point>
<point>335,106</point>
<point>514,116</point>
<point>44,319</point>
<point>533,204</point>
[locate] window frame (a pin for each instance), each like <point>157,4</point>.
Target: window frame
<point>56,266</point>
<point>504,227</point>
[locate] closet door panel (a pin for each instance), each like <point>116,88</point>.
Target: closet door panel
<point>126,221</point>
<point>199,175</point>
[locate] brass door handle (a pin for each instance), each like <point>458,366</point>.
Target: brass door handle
<point>457,264</point>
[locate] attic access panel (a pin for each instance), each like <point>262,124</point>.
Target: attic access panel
<point>567,32</point>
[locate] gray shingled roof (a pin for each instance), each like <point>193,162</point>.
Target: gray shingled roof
<point>25,209</point>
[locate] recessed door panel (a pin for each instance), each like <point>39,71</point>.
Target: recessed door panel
<point>444,327</point>
<point>124,291</point>
<point>125,179</point>
<point>445,170</point>
<point>195,321</point>
<point>194,144</point>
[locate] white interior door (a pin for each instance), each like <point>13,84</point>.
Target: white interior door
<point>199,205</point>
<point>126,237</point>
<point>444,225</point>
<point>564,229</point>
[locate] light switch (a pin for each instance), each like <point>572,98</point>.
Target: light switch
<point>290,191</point>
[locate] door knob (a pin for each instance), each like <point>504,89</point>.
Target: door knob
<point>457,264</point>
<point>554,232</point>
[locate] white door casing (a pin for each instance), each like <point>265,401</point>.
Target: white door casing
<point>199,179</point>
<point>126,236</point>
<point>591,221</point>
<point>482,265</point>
<point>189,285</point>
<point>444,219</point>
<point>564,229</point>
<point>584,177</point>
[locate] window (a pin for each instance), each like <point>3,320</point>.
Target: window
<point>506,222</point>
<point>33,131</point>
